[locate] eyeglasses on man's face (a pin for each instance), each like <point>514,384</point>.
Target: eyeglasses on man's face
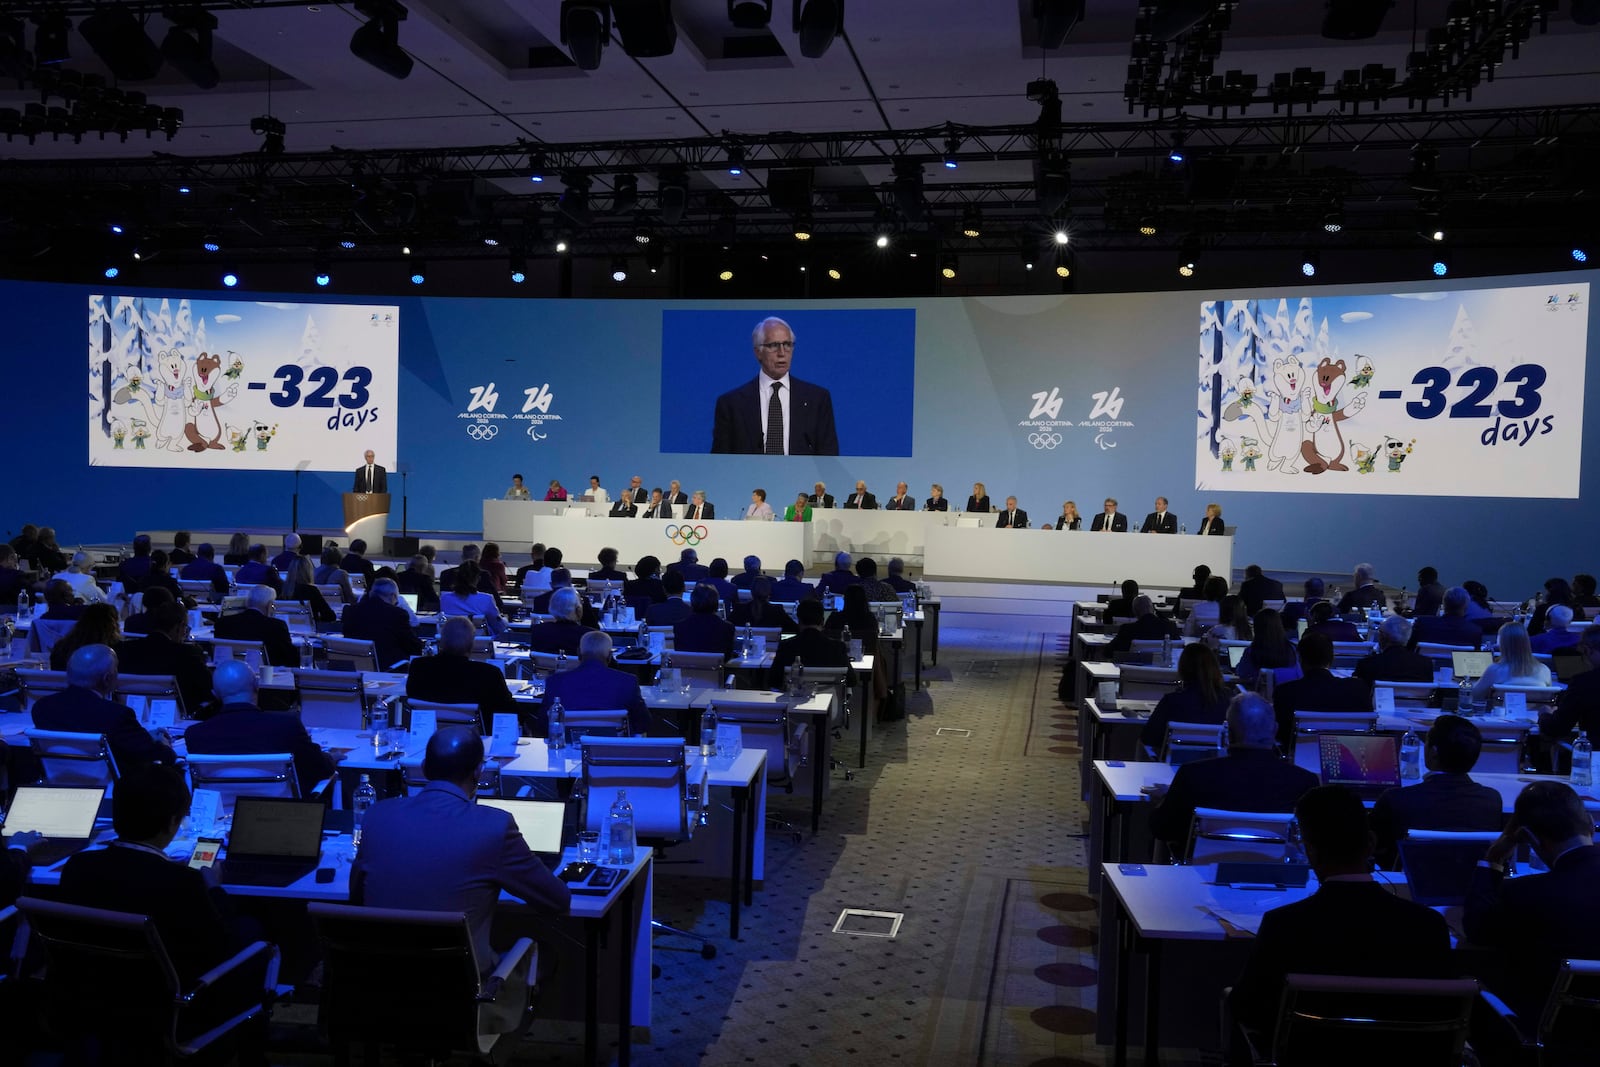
<point>775,346</point>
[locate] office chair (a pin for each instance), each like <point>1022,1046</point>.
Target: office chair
<point>1218,836</point>
<point>335,699</point>
<point>33,685</point>
<point>145,693</point>
<point>766,725</point>
<point>350,654</point>
<point>1326,1020</point>
<point>73,759</point>
<point>1186,742</point>
<point>255,774</point>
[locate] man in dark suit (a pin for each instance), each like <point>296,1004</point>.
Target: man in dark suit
<point>1316,689</point>
<point>452,677</point>
<point>132,570</point>
<point>290,553</point>
<point>674,608</point>
<point>1451,628</point>
<point>746,578</point>
<point>902,499</point>
<point>417,581</point>
<point>1393,662</point>
<point>820,497</point>
<point>86,707</point>
<point>1532,923</point>
<point>370,478</point>
<point>166,651</point>
<point>565,628</point>
<point>702,631</point>
<point>1197,591</point>
<point>810,646</point>
<point>645,586</point>
<point>1110,520</point>
<point>840,578</point>
<point>776,414</point>
<point>379,618</point>
<point>1122,607</point>
<point>1146,626</point>
<point>699,509</point>
<point>624,507</point>
<point>1579,704</point>
<point>1350,926</point>
<point>594,685</point>
<point>1012,518</point>
<point>675,494</point>
<point>1430,594</point>
<point>560,578</point>
<point>255,623</point>
<point>1366,593</point>
<point>861,500</point>
<point>1251,777</point>
<point>60,602</point>
<point>1257,587</point>
<point>656,508</point>
<point>1447,799</point>
<point>240,727</point>
<point>356,562</point>
<point>1322,622</point>
<point>792,588</point>
<point>760,612</point>
<point>1295,610</point>
<point>257,571</point>
<point>897,577</point>
<point>205,568</point>
<point>689,566</point>
<point>1160,520</point>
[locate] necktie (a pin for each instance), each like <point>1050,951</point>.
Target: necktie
<point>774,423</point>
<point>1011,518</point>
<point>369,477</point>
<point>1107,527</point>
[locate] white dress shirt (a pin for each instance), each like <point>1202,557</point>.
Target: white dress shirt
<point>783,401</point>
<point>599,496</point>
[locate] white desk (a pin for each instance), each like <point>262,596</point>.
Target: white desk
<point>581,538</point>
<point>876,533</point>
<point>1072,558</point>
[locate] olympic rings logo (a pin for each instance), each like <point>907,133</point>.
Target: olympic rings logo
<point>687,534</point>
<point>1045,441</point>
<point>482,431</point>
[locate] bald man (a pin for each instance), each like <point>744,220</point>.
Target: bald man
<point>241,728</point>
<point>86,707</point>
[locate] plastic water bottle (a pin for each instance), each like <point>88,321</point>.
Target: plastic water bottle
<point>365,797</point>
<point>708,732</point>
<point>1182,529</point>
<point>619,830</point>
<point>1411,756</point>
<point>24,605</point>
<point>306,654</point>
<point>380,725</point>
<point>1293,848</point>
<point>748,649</point>
<point>1582,761</point>
<point>1222,741</point>
<point>1464,700</point>
<point>1166,650</point>
<point>556,737</point>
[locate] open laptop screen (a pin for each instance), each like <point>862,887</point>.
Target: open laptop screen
<point>1236,653</point>
<point>410,601</point>
<point>276,827</point>
<point>55,813</point>
<point>539,820</point>
<point>1365,761</point>
<point>1471,664</point>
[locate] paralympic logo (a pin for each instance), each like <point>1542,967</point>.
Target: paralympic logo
<point>1045,441</point>
<point>482,431</point>
<point>687,534</point>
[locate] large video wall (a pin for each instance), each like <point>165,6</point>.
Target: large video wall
<point>1456,414</point>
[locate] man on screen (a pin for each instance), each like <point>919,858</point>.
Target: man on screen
<point>371,478</point>
<point>776,414</point>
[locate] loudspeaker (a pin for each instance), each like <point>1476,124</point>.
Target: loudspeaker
<point>311,545</point>
<point>401,547</point>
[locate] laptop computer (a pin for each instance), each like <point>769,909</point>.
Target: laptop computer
<point>1569,667</point>
<point>65,816</point>
<point>1440,871</point>
<point>1470,664</point>
<point>275,841</point>
<point>1367,763</point>
<point>542,823</point>
<point>410,600</point>
<point>1235,654</point>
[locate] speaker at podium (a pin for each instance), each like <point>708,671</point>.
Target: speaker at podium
<point>366,515</point>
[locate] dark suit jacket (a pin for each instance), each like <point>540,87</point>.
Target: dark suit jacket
<point>1336,630</point>
<point>1439,802</point>
<point>1154,523</point>
<point>387,626</point>
<point>824,501</point>
<point>83,711</point>
<point>596,687</point>
<point>251,625</point>
<point>1362,598</point>
<point>792,590</point>
<point>1295,610</point>
<point>438,851</point>
<point>185,910</point>
<point>692,572</point>
<point>1534,922</point>
<point>669,612</point>
<point>558,635</point>
<point>1446,630</point>
<point>645,587</point>
<point>771,615</point>
<point>737,425</point>
<point>160,654</point>
<point>420,586</point>
<point>1395,664</point>
<point>202,570</point>
<point>1429,598</point>
<point>837,581</point>
<point>454,679</point>
<point>1144,628</point>
<point>906,503</point>
<point>1118,608</point>
<point>659,510</point>
<point>1253,591</point>
<point>1212,526</point>
<point>812,648</point>
<point>380,480</point>
<point>1344,928</point>
<point>977,503</point>
<point>1011,520</point>
<point>242,729</point>
<point>703,632</point>
<point>942,504</point>
<point>861,502</point>
<point>1062,524</point>
<point>742,580</point>
<point>1246,779</point>
<point>708,510</point>
<point>1119,523</point>
<point>1578,705</point>
<point>1318,690</point>
<point>132,570</point>
<point>1182,705</point>
<point>258,574</point>
<point>361,565</point>
<point>619,510</point>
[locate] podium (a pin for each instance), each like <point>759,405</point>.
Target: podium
<point>366,515</point>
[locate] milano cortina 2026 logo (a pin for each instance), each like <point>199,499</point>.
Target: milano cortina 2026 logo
<point>483,421</point>
<point>1045,424</point>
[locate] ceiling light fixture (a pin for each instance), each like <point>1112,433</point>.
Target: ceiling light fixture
<point>419,271</point>
<point>271,131</point>
<point>187,45</point>
<point>803,226</point>
<point>1310,263</point>
<point>725,275</point>
<point>50,39</point>
<point>948,268</point>
<point>972,222</point>
<point>585,30</point>
<point>519,268</point>
<point>624,193</point>
<point>817,23</point>
<point>750,14</point>
<point>117,37</point>
<point>736,160</point>
<point>211,243</point>
<point>619,269</point>
<point>377,42</point>
<point>834,274</point>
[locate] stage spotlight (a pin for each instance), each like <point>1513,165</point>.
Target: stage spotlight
<point>952,145</point>
<point>491,240</point>
<point>947,268</point>
<point>972,222</point>
<point>736,160</point>
<point>574,202</point>
<point>750,14</point>
<point>619,269</point>
<point>112,272</point>
<point>725,275</point>
<point>419,271</point>
<point>1063,263</point>
<point>148,248</point>
<point>802,226</point>
<point>519,269</point>
<point>561,245</point>
<point>211,243</point>
<point>117,36</point>
<point>50,39</point>
<point>1060,235</point>
<point>1580,255</point>
<point>1333,220</point>
<point>324,279</point>
<point>642,234</point>
<point>882,239</point>
<point>377,42</point>
<point>817,23</point>
<point>536,166</point>
<point>1148,226</point>
<point>585,30</point>
<point>624,194</point>
<point>116,227</point>
<point>655,257</point>
<point>1309,263</point>
<point>184,190</point>
<point>1189,258</point>
<point>908,189</point>
<point>187,45</point>
<point>230,279</point>
<point>347,240</point>
<point>834,274</point>
<point>1441,266</point>
<point>271,130</point>
<point>672,193</point>
<point>1025,253</point>
<point>1176,152</point>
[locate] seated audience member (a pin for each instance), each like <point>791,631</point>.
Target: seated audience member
<point>565,628</point>
<point>1201,696</point>
<point>1366,593</point>
<point>301,587</point>
<point>718,580</point>
<point>380,618</point>
<point>1146,626</point>
<point>608,571</point>
<point>418,583</point>
<point>203,567</point>
<point>1197,591</point>
<point>897,577</point>
<point>166,651</point>
<point>674,609</point>
<point>534,576</point>
<point>355,561</point>
<point>1516,665</point>
<point>472,554</point>
<point>240,727</point>
<point>1318,689</point>
<point>80,576</point>
<point>820,497</point>
<point>466,596</point>
<point>699,508</point>
<point>861,500</point>
<point>1251,777</point>
<point>703,631</point>
<point>689,566</point>
<point>238,553</point>
<point>594,685</point>
<point>439,851</point>
<point>1295,610</point>
<point>86,707</point>
<point>759,510</point>
<point>291,551</point>
<point>453,677</point>
<point>1069,519</point>
<point>1323,622</point>
<point>624,507</point>
<point>257,571</point>
<point>1257,588</point>
<point>1557,633</point>
<point>1478,606</point>
<point>26,544</point>
<point>179,553</point>
<point>1235,624</point>
<point>1451,628</point>
<point>1556,591</point>
<point>1446,799</point>
<point>1583,592</point>
<point>936,500</point>
<point>1011,517</point>
<point>760,612</point>
<point>134,875</point>
<point>1530,924</point>
<point>810,646</point>
<point>840,578</point>
<point>12,581</point>
<point>1350,926</point>
<point>878,592</point>
<point>1579,704</point>
<point>1394,661</point>
<point>140,622</point>
<point>159,575</point>
<point>16,865</point>
<point>1121,607</point>
<point>131,571</point>
<point>799,511</point>
<point>746,578</point>
<point>1207,611</point>
<point>561,578</point>
<point>330,573</point>
<point>50,558</point>
<point>495,567</point>
<point>856,617</point>
<point>646,584</point>
<point>792,589</point>
<point>96,626</point>
<point>256,623</point>
<point>1430,594</point>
